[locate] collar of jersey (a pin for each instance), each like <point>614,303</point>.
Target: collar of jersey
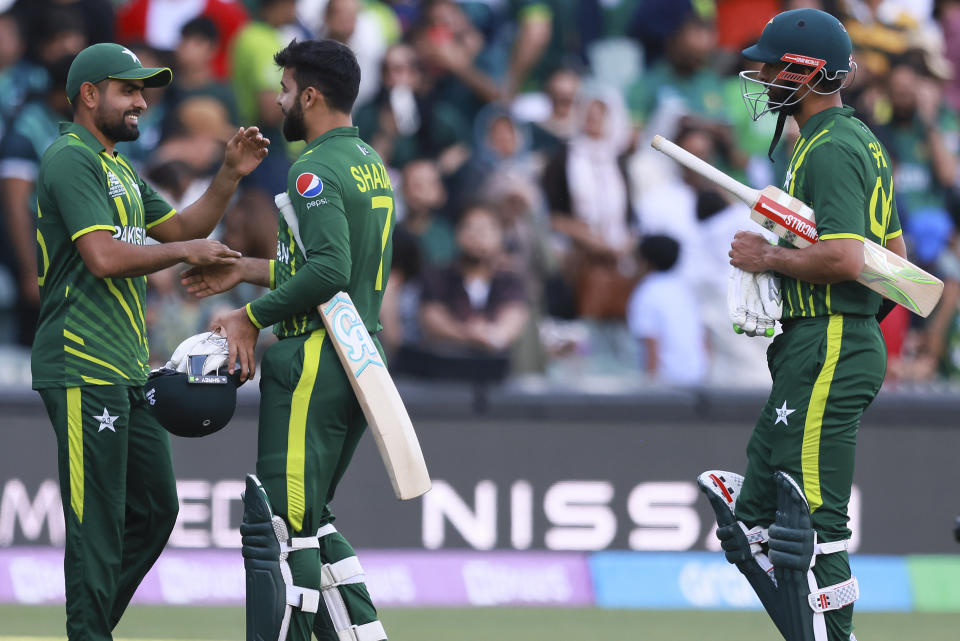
<point>83,134</point>
<point>816,120</point>
<point>336,131</point>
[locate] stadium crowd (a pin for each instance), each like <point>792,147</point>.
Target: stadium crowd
<point>538,234</point>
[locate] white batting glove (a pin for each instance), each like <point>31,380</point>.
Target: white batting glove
<point>753,302</point>
<point>771,302</point>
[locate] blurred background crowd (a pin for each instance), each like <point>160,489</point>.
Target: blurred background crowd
<point>539,237</point>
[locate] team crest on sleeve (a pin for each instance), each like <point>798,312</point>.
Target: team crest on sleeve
<point>309,185</point>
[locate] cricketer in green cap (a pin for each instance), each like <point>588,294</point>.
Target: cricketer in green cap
<point>108,60</point>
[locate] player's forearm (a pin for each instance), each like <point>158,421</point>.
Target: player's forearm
<point>256,271</point>
<point>827,261</point>
<point>897,246</point>
<point>199,219</point>
<point>125,260</point>
<point>313,284</point>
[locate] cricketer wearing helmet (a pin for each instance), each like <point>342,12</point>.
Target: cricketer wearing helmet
<point>302,574</point>
<point>89,358</point>
<point>786,526</point>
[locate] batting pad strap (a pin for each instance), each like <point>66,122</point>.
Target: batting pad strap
<point>311,542</point>
<point>303,598</point>
<point>835,596</point>
<point>372,631</point>
<point>831,547</point>
<point>334,574</point>
<point>756,534</point>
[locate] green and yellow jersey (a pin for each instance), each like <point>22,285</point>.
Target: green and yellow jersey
<point>91,330</point>
<point>343,200</point>
<point>841,170</point>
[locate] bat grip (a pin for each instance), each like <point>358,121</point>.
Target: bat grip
<point>711,173</point>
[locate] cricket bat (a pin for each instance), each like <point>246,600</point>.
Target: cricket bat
<point>378,396</point>
<point>792,220</point>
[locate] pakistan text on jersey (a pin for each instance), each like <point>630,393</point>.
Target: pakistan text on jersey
<point>370,176</point>
<point>283,253</point>
<point>132,235</point>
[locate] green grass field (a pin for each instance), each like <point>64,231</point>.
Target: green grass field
<point>30,623</point>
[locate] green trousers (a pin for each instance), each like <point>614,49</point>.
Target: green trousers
<point>310,424</point>
<point>119,499</point>
<point>826,371</point>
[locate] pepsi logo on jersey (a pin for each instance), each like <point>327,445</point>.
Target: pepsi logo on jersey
<point>309,185</point>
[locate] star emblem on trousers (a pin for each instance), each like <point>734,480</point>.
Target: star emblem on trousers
<point>783,413</point>
<point>106,421</point>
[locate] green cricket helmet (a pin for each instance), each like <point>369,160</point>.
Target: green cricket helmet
<point>815,47</point>
<point>194,395</point>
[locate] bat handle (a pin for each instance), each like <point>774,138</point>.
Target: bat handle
<point>711,173</point>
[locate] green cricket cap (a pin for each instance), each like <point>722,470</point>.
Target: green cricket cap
<point>108,60</point>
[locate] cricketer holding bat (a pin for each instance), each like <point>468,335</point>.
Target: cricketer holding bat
<point>786,527</point>
<point>89,359</point>
<point>310,419</point>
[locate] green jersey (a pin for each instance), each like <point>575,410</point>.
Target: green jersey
<point>91,330</point>
<point>343,200</point>
<point>841,170</point>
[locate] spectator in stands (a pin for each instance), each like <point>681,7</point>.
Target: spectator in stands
<point>94,19</point>
<point>448,44</point>
<point>424,199</point>
<point>364,31</point>
<point>527,251</point>
<point>882,32</point>
<point>948,16</point>
<point>470,303</point>
<point>501,143</point>
<point>19,77</point>
<point>587,193</point>
<point>684,79</point>
<point>158,23</point>
<point>664,318</point>
<point>939,355</point>
<point>30,133</point>
<point>548,135</point>
<point>922,135</point>
<point>515,37</point>
<point>403,122</point>
<point>256,81</point>
<point>193,70</point>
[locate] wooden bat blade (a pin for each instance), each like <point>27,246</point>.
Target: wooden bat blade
<point>378,396</point>
<point>899,280</point>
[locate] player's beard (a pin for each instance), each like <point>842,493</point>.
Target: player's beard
<point>114,125</point>
<point>294,128</point>
<point>779,95</point>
